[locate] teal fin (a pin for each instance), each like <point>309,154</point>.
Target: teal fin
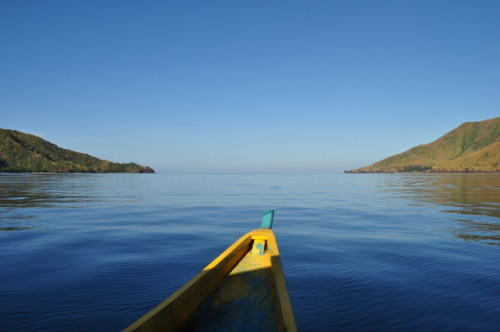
<point>267,219</point>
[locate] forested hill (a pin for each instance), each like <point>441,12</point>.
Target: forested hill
<point>471,147</point>
<point>20,152</point>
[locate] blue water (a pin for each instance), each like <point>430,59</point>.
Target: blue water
<point>361,252</point>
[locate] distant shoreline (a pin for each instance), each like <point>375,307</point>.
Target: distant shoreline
<point>25,153</point>
<point>426,172</point>
<point>13,172</point>
<point>472,147</point>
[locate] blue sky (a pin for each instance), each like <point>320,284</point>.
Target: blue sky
<point>247,86</point>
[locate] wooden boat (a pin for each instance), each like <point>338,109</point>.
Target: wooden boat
<point>243,289</point>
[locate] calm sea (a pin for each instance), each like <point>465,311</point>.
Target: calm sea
<point>361,252</point>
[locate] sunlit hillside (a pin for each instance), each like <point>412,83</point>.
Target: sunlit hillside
<point>20,152</point>
<point>471,147</point>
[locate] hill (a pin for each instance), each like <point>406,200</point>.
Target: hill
<point>471,147</point>
<point>20,152</point>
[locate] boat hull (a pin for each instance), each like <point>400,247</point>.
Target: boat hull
<point>244,288</point>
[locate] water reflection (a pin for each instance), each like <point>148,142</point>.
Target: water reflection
<point>36,190</point>
<point>488,233</point>
<point>7,229</point>
<point>474,195</point>
<point>22,195</point>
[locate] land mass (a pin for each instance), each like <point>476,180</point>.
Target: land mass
<point>21,152</point>
<point>473,147</point>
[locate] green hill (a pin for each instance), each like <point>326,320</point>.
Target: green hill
<point>471,147</point>
<point>20,152</point>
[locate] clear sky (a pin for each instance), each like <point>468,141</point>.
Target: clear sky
<point>247,86</point>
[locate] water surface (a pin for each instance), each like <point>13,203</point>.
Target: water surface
<point>364,252</point>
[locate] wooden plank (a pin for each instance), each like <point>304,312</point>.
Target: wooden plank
<point>281,289</point>
<point>260,259</point>
<point>169,314</point>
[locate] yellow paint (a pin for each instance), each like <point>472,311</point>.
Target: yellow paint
<point>253,251</point>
